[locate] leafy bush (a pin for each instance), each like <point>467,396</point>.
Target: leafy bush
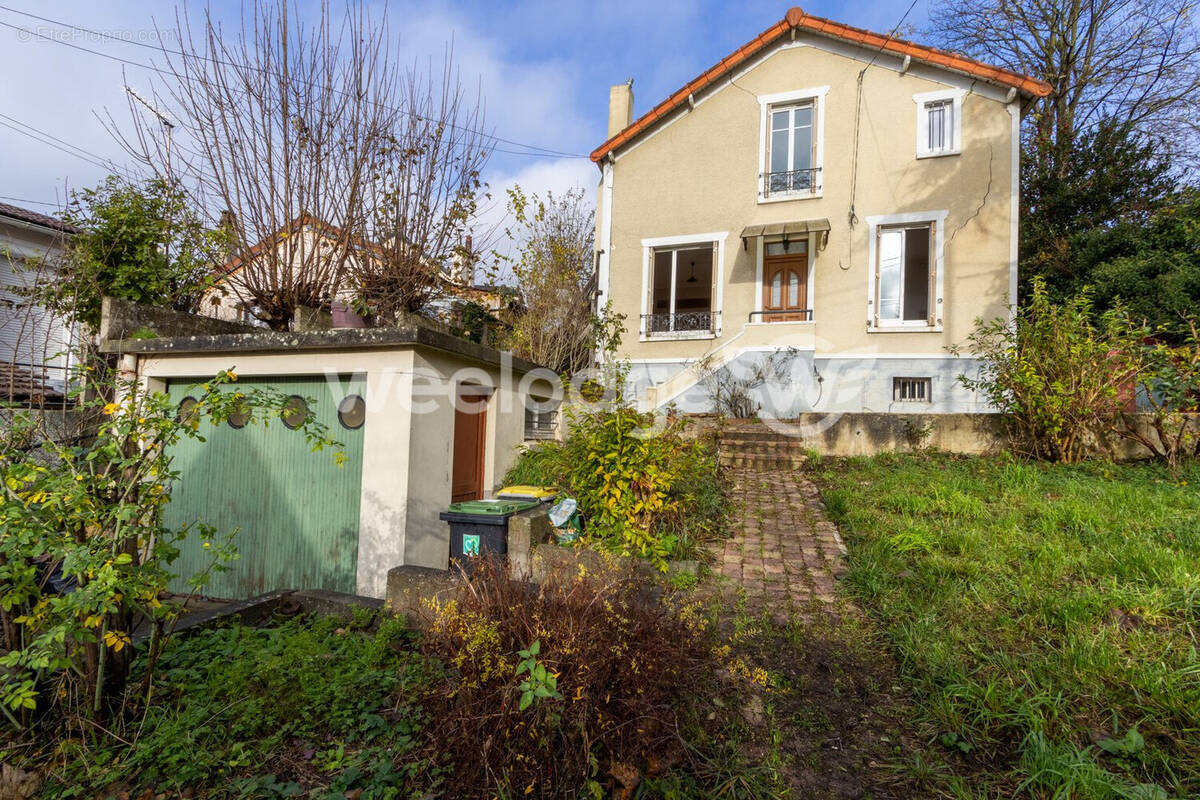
<point>1169,379</point>
<point>1069,381</point>
<point>1052,373</point>
<point>553,690</point>
<point>650,494</point>
<point>537,465</point>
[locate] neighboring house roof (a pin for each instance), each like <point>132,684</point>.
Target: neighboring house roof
<point>797,19</point>
<point>295,226</point>
<point>21,383</point>
<point>34,218</point>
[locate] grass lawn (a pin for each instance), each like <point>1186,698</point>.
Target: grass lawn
<point>1045,617</point>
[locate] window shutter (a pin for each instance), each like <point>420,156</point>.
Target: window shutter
<point>648,290</point>
<point>933,294</point>
<point>712,297</point>
<point>875,299</point>
<point>815,175</point>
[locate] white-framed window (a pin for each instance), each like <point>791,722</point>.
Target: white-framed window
<point>912,390</point>
<point>906,271</point>
<point>939,123</point>
<point>681,287</point>
<point>791,144</point>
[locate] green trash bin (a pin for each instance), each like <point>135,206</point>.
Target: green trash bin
<point>480,527</point>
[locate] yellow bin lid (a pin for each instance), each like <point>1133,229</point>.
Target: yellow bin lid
<point>543,493</point>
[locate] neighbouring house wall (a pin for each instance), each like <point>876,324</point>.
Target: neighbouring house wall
<point>407,450</point>
<point>29,335</point>
<point>697,175</point>
<point>227,298</point>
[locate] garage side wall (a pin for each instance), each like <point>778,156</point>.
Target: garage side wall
<point>435,379</point>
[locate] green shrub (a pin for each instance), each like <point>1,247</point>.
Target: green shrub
<point>651,494</point>
<point>1067,379</point>
<point>92,509</point>
<point>1052,373</point>
<point>536,466</point>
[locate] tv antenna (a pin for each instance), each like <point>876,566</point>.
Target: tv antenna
<point>163,120</point>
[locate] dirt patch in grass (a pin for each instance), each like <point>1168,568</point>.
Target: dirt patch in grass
<point>832,716</point>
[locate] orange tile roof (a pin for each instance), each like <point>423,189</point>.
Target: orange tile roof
<point>797,19</point>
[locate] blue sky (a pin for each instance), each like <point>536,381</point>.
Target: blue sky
<point>544,68</point>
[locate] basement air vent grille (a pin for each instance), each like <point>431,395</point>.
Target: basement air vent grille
<point>912,390</point>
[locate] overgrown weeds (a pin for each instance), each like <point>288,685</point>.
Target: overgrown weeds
<point>597,700</point>
<point>308,708</point>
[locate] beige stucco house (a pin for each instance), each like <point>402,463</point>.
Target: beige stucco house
<point>844,200</point>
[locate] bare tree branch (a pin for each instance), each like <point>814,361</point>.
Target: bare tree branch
<point>1131,60</point>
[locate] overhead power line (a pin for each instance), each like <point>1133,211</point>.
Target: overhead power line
<point>26,201</point>
<point>63,146</point>
<point>530,149</point>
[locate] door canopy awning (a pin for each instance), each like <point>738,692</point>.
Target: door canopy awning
<point>818,229</point>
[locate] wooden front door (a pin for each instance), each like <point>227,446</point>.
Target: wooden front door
<point>470,425</point>
<point>785,288</point>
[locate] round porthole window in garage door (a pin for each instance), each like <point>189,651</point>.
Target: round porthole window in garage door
<point>352,412</point>
<point>240,415</point>
<point>295,412</point>
<point>187,410</point>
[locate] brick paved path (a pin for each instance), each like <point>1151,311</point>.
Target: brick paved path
<point>784,552</point>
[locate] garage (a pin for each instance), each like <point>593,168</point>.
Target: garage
<point>295,511</point>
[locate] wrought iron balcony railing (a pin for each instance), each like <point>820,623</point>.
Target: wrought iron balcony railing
<point>798,181</point>
<point>680,322</point>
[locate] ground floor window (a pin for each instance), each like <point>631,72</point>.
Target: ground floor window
<point>905,279</point>
<point>682,289</point>
<point>912,390</point>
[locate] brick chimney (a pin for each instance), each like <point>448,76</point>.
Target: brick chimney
<point>620,107</point>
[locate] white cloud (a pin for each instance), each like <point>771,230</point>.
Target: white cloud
<point>558,176</point>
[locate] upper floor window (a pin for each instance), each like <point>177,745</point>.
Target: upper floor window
<point>793,149</point>
<point>792,145</point>
<point>939,123</point>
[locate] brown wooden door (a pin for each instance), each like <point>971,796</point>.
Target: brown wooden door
<point>470,425</point>
<point>785,288</point>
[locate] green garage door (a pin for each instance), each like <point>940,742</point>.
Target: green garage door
<point>295,511</point>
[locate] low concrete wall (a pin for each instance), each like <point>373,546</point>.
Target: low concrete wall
<point>868,434</point>
<point>123,319</point>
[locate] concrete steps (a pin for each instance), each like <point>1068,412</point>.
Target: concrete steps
<point>760,449</point>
